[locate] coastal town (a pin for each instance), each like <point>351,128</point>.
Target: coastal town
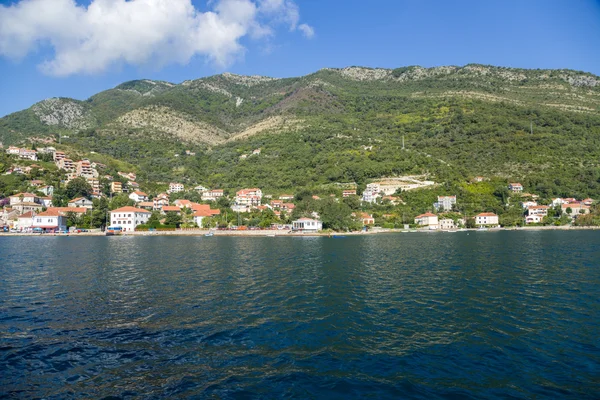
<point>126,208</point>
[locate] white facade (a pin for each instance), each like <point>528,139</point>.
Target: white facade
<point>515,187</point>
<point>307,225</point>
<point>50,221</point>
<point>448,223</point>
<point>128,218</point>
<point>175,187</point>
<point>527,204</point>
<point>371,193</point>
<point>24,198</point>
<point>445,203</point>
<point>138,196</point>
<point>212,195</point>
<point>486,219</point>
<point>427,219</point>
<point>249,197</point>
<point>81,202</point>
<point>538,210</point>
<point>534,219</point>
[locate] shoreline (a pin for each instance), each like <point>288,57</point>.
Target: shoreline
<point>285,233</point>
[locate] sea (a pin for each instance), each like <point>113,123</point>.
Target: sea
<point>465,315</point>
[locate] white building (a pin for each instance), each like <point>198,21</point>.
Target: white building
<point>449,223</point>
<point>445,203</point>
<point>427,219</point>
<point>25,222</point>
<point>486,219</point>
<point>307,225</point>
<point>534,219</point>
<point>129,217</point>
<point>138,196</point>
<point>248,197</point>
<point>175,187</point>
<point>24,198</point>
<point>81,202</point>
<point>575,208</point>
<point>527,204</point>
<point>371,193</point>
<point>515,187</point>
<point>212,195</point>
<point>538,210</point>
<point>200,189</point>
<point>50,220</point>
<point>13,150</point>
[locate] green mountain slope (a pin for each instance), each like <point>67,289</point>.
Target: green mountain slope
<point>342,125</point>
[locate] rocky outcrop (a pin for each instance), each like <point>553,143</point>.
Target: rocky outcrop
<point>63,113</point>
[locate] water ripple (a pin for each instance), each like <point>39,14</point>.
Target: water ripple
<point>485,315</point>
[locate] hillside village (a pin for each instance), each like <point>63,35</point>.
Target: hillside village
<point>102,198</point>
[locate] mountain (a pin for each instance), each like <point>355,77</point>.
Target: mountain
<point>341,125</point>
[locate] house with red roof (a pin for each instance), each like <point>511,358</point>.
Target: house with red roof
<point>427,219</point>
<point>202,211</point>
<point>81,202</point>
<point>515,187</point>
<point>129,217</point>
<point>486,219</point>
<point>175,209</point>
<point>248,197</point>
<point>50,221</point>
<point>574,209</point>
<point>138,196</point>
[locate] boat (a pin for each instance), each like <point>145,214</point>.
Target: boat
<point>210,234</point>
<point>482,229</point>
<point>338,236</point>
<point>113,230</point>
<point>405,231</point>
<point>271,235</point>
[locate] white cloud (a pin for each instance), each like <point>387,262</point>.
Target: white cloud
<point>307,30</point>
<point>107,32</point>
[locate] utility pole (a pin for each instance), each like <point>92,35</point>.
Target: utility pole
<point>402,142</point>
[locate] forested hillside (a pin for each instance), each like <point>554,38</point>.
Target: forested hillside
<point>541,127</point>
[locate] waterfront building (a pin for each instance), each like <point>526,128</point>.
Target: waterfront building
<point>427,219</point>
<point>129,217</point>
<point>50,220</point>
<point>486,219</point>
<point>307,225</point>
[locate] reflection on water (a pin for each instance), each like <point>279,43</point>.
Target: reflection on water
<point>490,314</point>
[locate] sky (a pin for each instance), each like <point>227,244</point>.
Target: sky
<point>68,48</point>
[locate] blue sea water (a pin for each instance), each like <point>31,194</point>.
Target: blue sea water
<point>425,316</point>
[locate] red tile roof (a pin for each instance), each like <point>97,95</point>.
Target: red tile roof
<point>64,210</point>
<point>171,208</point>
<point>132,209</point>
<point>49,213</point>
<point>486,214</point>
<point>428,214</point>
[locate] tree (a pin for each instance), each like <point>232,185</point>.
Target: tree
<point>223,202</point>
<point>120,200</point>
<point>173,219</point>
<point>338,216</point>
<point>78,187</point>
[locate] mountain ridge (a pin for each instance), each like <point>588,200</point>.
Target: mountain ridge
<point>451,122</point>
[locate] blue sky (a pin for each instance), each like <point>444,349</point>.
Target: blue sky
<point>265,37</point>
